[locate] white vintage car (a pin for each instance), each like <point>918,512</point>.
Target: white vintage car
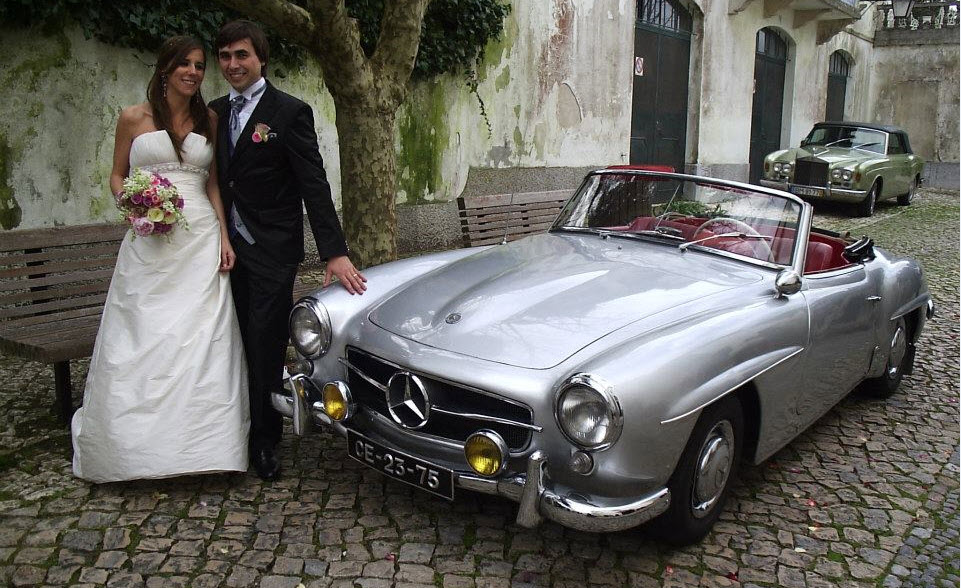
<point>615,369</point>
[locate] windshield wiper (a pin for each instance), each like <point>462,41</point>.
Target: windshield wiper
<point>684,246</point>
<point>605,233</point>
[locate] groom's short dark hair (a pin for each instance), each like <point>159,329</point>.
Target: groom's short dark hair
<point>238,30</point>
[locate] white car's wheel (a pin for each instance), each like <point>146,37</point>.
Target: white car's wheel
<point>898,362</point>
<point>702,480</point>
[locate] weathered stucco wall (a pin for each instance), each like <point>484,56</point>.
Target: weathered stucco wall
<point>62,95</point>
<point>556,91</point>
<point>918,88</point>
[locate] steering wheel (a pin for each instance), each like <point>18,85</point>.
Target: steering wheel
<point>742,227</point>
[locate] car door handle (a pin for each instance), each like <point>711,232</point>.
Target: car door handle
<point>874,298</point>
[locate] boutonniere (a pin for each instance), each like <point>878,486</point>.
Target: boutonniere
<point>262,133</point>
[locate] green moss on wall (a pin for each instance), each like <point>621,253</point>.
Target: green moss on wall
<point>424,137</point>
<point>10,212</point>
<point>503,79</point>
<point>31,71</point>
<point>499,49</point>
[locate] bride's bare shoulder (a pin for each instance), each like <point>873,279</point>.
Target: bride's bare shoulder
<point>136,118</point>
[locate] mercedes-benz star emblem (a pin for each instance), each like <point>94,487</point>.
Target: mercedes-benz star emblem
<point>407,400</point>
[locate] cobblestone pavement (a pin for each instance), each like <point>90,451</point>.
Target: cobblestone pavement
<point>868,496</point>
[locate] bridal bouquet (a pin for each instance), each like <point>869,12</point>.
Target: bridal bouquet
<point>151,204</point>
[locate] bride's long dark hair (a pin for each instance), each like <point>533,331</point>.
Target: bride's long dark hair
<point>172,53</point>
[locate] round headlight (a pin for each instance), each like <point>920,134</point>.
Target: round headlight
<point>847,175</point>
<point>310,329</point>
<point>786,168</point>
<point>486,452</point>
<point>836,174</point>
<point>778,166</point>
<point>588,414</point>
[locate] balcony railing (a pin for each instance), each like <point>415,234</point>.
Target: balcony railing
<point>924,14</point>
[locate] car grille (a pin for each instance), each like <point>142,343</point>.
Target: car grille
<point>465,410</point>
<point>811,172</point>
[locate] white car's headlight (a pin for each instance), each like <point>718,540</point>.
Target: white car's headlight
<point>778,166</point>
<point>786,168</point>
<point>588,413</point>
<point>310,328</point>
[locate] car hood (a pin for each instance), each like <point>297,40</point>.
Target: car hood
<point>535,302</point>
<point>835,156</point>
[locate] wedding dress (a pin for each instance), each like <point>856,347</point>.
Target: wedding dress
<point>166,392</point>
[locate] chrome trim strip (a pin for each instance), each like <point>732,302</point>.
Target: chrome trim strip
<point>485,417</point>
<point>834,272</point>
<point>364,376</point>
<point>731,389</point>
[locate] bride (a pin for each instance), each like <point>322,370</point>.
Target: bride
<point>166,392</point>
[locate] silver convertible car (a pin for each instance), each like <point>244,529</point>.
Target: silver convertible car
<point>615,369</point>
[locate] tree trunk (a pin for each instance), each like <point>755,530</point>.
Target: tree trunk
<point>368,178</point>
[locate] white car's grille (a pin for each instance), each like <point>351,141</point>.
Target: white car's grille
<point>456,410</point>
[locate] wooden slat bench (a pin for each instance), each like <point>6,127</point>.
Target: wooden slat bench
<point>53,284</point>
<point>486,220</point>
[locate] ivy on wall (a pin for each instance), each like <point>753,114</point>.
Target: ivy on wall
<point>452,39</point>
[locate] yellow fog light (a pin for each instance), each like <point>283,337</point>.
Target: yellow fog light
<point>337,401</point>
<point>486,452</point>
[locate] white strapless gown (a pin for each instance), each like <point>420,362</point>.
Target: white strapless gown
<point>166,393</point>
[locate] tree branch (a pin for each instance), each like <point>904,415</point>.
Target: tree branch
<point>399,40</point>
<point>286,17</point>
<point>336,45</point>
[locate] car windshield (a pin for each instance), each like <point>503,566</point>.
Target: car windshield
<point>842,136</point>
<point>716,217</point>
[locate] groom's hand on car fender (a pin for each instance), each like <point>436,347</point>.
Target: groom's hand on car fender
<point>341,266</point>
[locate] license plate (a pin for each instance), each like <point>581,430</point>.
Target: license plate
<point>805,191</point>
<point>400,466</point>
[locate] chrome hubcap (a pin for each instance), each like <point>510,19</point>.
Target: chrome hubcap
<point>899,346</point>
<point>712,469</point>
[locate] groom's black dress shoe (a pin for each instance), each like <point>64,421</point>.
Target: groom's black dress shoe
<point>266,464</point>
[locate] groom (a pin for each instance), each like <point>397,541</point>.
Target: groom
<point>270,169</point>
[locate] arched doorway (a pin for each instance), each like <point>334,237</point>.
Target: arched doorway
<point>662,56</point>
<point>839,69</point>
<point>770,63</point>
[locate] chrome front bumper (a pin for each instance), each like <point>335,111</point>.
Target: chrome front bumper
<point>825,192</point>
<point>537,501</point>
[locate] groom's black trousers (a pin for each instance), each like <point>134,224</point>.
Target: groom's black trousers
<point>263,293</point>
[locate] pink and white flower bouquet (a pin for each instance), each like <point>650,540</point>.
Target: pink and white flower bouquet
<point>151,204</point>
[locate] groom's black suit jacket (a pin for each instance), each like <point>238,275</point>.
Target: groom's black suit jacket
<point>269,180</point>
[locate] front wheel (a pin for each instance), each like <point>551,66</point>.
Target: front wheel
<point>906,198</point>
<point>898,362</point>
<point>702,480</point>
<point>866,207</point>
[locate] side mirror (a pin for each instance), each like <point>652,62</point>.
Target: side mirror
<point>787,282</point>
